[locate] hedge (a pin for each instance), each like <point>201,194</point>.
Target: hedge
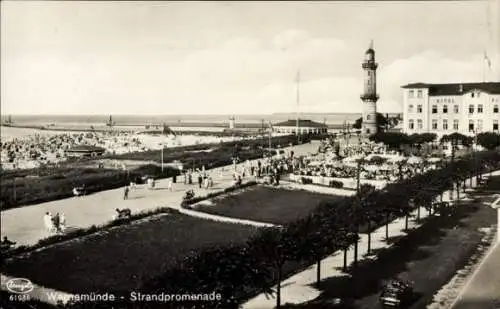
<point>188,202</point>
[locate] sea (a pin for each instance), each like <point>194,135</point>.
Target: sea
<point>29,124</point>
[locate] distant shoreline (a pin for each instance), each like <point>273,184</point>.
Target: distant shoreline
<point>241,127</point>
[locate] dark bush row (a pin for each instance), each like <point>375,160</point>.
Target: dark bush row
<point>188,202</point>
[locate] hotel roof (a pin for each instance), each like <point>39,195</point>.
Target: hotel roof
<point>457,88</point>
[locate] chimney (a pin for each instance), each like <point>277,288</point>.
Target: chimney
<point>461,89</point>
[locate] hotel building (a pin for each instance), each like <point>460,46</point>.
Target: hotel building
<point>466,108</point>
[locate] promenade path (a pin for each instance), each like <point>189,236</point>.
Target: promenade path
<point>25,224</point>
<point>299,288</point>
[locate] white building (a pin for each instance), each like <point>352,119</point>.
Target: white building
<point>465,108</point>
<point>303,126</point>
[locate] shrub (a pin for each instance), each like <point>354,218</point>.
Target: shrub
<point>306,181</point>
<point>336,184</point>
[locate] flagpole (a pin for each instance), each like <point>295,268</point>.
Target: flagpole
<point>298,101</point>
<point>484,60</point>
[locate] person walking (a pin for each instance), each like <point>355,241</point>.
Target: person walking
<point>62,222</point>
<point>56,221</point>
<point>200,180</point>
<point>125,193</point>
<point>47,222</point>
<point>169,185</point>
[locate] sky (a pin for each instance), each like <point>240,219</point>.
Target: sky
<point>158,58</point>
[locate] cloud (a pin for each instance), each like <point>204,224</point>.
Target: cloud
<point>240,75</point>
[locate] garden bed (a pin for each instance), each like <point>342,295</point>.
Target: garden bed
<point>124,258</point>
<point>265,204</point>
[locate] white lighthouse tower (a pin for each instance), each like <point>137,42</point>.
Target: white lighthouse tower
<point>369,96</point>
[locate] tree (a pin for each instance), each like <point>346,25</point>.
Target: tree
<point>420,139</point>
<point>381,121</point>
<point>275,247</point>
<point>317,238</point>
<point>488,140</point>
<point>393,140</point>
<point>456,139</point>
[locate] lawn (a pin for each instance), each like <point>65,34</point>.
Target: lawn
<point>122,259</point>
<point>266,204</point>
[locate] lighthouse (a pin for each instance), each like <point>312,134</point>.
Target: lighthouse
<point>369,96</point>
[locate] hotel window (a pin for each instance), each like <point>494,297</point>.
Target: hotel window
<point>434,109</point>
<point>420,124</point>
<point>471,109</point>
<point>411,125</point>
<point>495,108</point>
<point>455,124</point>
<point>445,109</point>
<point>419,93</point>
<point>410,108</point>
<point>445,124</point>
<point>434,124</point>
<point>495,125</point>
<point>419,108</point>
<point>455,109</point>
<point>480,108</point>
<point>471,125</point>
<point>411,93</point>
<point>479,125</point>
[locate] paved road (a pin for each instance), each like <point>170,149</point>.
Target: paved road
<point>25,225</point>
<point>483,291</point>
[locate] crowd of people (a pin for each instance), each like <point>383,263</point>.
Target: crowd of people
<point>374,162</point>
<point>54,224</point>
<point>31,151</point>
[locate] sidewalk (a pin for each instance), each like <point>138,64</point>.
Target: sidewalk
<point>25,224</point>
<point>483,289</point>
<point>300,287</point>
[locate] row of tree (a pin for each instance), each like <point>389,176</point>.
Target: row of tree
<point>395,140</point>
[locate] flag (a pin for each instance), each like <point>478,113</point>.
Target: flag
<point>487,59</point>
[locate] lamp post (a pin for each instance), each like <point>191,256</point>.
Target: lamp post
<point>162,146</point>
<point>496,205</point>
